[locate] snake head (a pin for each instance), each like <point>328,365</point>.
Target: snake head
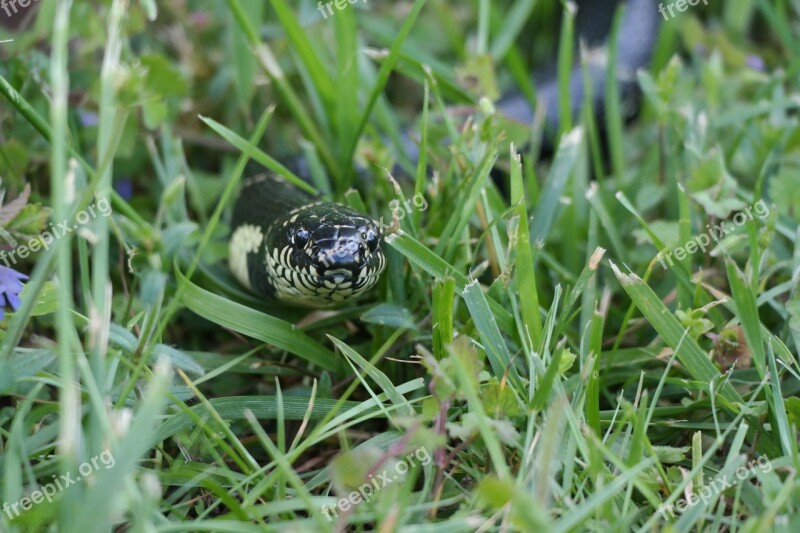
<point>325,254</point>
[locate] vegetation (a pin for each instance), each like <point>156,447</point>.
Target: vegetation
<point>527,363</point>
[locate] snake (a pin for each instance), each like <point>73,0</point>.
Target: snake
<point>295,248</point>
<point>289,246</point>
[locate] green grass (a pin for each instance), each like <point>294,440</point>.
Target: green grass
<point>530,343</point>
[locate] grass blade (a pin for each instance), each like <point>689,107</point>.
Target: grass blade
<point>691,356</point>
<point>256,325</point>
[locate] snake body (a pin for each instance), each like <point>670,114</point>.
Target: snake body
<point>290,246</point>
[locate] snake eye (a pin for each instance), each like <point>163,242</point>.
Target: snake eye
<point>300,237</point>
<point>372,239</point>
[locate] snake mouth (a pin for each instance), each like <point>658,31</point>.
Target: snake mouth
<point>311,287</point>
<point>338,277</point>
<point>346,280</point>
<point>325,291</point>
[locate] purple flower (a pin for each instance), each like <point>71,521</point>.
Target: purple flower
<point>10,287</point>
<point>87,118</point>
<point>124,187</point>
<point>755,62</point>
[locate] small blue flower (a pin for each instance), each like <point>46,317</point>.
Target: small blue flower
<point>124,187</point>
<point>10,287</point>
<point>755,62</point>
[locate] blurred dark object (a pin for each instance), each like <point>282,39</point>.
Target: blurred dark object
<point>635,42</point>
<point>16,15</point>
